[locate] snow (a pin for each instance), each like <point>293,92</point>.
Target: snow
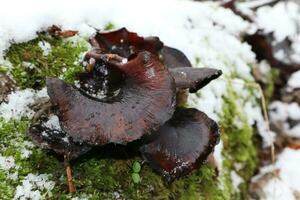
<point>283,112</point>
<point>294,131</point>
<point>45,46</point>
<point>286,183</point>
<point>236,180</point>
<point>28,65</point>
<point>53,123</point>
<point>276,189</point>
<point>6,163</point>
<point>283,20</point>
<point>279,19</point>
<point>218,156</point>
<point>294,80</point>
<point>19,102</point>
<point>280,111</point>
<point>33,186</point>
<point>288,162</point>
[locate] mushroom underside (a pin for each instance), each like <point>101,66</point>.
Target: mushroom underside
<point>182,144</point>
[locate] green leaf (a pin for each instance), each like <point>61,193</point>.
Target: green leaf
<point>136,178</point>
<point>136,167</point>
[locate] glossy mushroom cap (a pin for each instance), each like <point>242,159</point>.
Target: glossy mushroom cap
<point>145,102</point>
<point>174,58</point>
<point>182,144</point>
<point>57,141</point>
<point>125,43</point>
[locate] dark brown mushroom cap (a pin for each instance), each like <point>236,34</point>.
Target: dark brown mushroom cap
<point>125,43</point>
<point>174,58</point>
<point>57,141</point>
<point>182,144</point>
<point>194,78</point>
<point>145,102</point>
<point>181,69</point>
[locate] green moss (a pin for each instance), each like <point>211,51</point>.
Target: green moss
<point>109,26</point>
<point>3,70</point>
<point>268,88</point>
<point>238,140</point>
<point>12,138</point>
<point>62,57</point>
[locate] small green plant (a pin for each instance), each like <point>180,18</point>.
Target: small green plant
<point>136,168</point>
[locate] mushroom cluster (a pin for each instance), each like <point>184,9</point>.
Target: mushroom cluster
<point>132,89</point>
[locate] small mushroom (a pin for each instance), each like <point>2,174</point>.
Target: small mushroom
<point>182,144</point>
<point>124,43</point>
<point>145,102</point>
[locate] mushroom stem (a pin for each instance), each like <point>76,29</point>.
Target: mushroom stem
<point>71,187</point>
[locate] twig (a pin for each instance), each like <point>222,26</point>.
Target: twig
<point>69,176</point>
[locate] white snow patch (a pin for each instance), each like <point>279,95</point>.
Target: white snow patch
<point>288,163</point>
<point>294,80</point>
<point>281,112</point>
<point>279,19</point>
<point>218,156</point>
<point>45,46</point>
<point>19,103</point>
<point>33,187</point>
<point>6,163</point>
<point>13,176</point>
<point>287,182</point>
<point>28,65</point>
<point>236,180</point>
<point>276,189</point>
<point>53,123</point>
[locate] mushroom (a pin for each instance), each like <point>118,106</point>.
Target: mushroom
<point>185,76</point>
<point>46,133</point>
<point>182,144</point>
<point>124,43</point>
<point>174,58</point>
<point>127,93</point>
<point>56,140</point>
<point>193,78</point>
<point>145,102</point>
